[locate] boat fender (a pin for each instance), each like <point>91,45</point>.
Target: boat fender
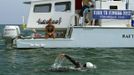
<point>132,21</point>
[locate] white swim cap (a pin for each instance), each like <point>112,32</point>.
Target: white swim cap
<point>90,65</point>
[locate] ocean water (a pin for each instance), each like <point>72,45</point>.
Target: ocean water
<point>37,61</point>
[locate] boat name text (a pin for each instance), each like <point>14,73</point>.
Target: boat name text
<point>44,21</point>
<point>128,36</point>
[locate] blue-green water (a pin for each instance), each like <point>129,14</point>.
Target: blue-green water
<point>37,61</point>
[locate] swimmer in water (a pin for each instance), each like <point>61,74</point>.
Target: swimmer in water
<point>77,65</point>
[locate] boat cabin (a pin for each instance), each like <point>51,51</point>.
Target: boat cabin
<point>65,14</point>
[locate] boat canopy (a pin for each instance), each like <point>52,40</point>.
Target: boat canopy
<point>61,11</point>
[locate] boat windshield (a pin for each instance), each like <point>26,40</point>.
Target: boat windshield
<point>62,6</point>
<point>42,8</point>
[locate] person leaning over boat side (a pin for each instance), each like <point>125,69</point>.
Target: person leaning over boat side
<point>77,65</point>
<point>50,30</point>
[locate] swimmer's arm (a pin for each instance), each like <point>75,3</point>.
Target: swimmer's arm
<point>72,60</point>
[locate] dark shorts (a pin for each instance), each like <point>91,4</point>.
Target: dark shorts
<point>82,10</point>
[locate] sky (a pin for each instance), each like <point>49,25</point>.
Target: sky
<point>11,11</point>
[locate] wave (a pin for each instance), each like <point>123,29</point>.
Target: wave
<point>58,62</point>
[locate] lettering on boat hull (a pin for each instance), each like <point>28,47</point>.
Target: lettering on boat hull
<point>127,36</point>
<point>44,21</point>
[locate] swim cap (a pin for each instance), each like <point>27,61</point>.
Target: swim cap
<point>90,65</point>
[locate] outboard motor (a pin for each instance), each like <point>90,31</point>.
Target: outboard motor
<point>9,34</point>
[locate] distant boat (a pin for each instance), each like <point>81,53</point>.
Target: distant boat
<point>110,25</point>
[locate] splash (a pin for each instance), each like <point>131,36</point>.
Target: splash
<point>58,62</point>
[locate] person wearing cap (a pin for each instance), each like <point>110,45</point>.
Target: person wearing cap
<point>77,64</point>
<point>50,30</point>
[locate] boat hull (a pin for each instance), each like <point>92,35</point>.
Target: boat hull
<point>86,37</point>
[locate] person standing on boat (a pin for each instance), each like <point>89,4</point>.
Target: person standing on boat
<point>86,7</point>
<point>85,4</point>
<point>87,13</point>
<point>50,30</point>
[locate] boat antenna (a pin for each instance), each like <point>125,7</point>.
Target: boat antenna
<point>23,23</point>
<point>100,4</point>
<point>127,4</point>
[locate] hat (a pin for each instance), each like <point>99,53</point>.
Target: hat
<point>90,65</point>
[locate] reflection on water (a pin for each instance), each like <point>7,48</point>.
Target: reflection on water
<point>37,61</point>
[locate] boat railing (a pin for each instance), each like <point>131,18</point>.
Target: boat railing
<point>71,24</point>
<point>76,16</point>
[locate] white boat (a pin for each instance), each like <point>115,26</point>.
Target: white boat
<point>113,27</point>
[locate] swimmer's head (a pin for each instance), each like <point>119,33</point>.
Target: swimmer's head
<point>89,65</point>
